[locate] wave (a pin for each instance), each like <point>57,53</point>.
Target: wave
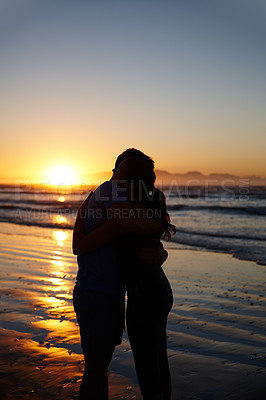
<point>42,211</point>
<point>241,246</point>
<point>56,205</point>
<point>242,249</point>
<point>37,190</point>
<point>7,203</point>
<point>36,223</point>
<point>19,219</point>
<point>199,192</point>
<point>222,209</point>
<point>236,193</point>
<point>220,235</point>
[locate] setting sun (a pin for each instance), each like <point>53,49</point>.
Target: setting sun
<point>62,175</point>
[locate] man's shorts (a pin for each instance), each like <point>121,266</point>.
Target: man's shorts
<point>101,318</point>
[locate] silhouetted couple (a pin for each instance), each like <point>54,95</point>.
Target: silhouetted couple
<point>117,239</point>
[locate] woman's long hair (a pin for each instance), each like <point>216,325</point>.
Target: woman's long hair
<point>141,177</point>
<point>154,200</point>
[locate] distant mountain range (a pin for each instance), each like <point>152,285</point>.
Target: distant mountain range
<point>192,178</point>
<point>195,178</point>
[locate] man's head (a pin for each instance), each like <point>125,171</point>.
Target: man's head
<point>136,170</point>
<point>134,153</point>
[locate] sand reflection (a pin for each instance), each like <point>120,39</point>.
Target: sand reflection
<point>37,370</point>
<point>59,330</point>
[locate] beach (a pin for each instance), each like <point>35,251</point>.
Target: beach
<point>216,329</point>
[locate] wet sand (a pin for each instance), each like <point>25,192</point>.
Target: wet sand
<point>217,327</point>
<point>216,330</point>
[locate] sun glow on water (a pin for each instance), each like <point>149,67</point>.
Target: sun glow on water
<point>60,237</point>
<point>59,219</point>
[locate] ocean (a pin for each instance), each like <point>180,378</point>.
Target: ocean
<point>216,328</point>
<point>224,219</point>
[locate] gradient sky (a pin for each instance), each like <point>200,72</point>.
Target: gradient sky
<point>183,80</point>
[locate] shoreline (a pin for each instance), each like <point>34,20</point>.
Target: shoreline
<point>173,245</point>
<point>216,328</point>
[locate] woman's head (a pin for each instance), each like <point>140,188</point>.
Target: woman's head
<point>138,176</point>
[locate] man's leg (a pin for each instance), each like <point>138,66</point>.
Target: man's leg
<point>99,317</point>
<point>94,385</point>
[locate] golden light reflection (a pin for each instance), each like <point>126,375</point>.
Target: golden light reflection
<point>57,284</point>
<point>60,219</point>
<point>58,263</point>
<point>57,257</point>
<point>61,199</point>
<point>60,237</point>
<point>53,301</point>
<point>64,331</point>
<point>56,281</point>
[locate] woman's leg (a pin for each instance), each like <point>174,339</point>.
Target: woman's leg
<point>164,366</point>
<point>146,325</point>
